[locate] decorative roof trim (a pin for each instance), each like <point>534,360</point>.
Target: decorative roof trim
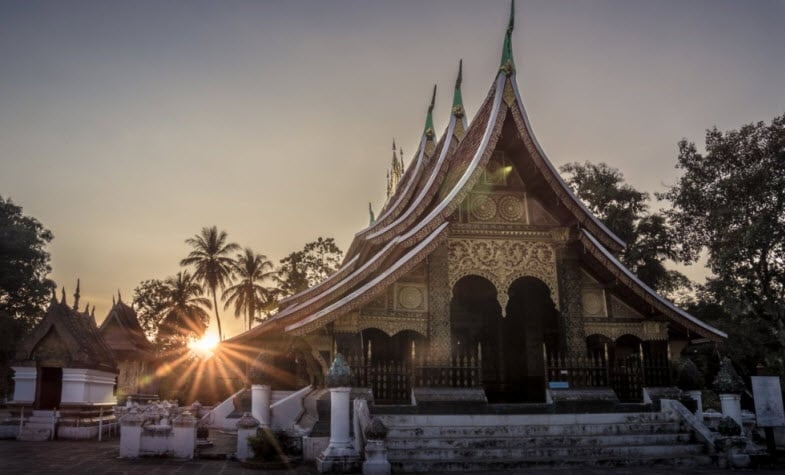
<point>609,237</point>
<point>666,306</point>
<point>372,287</point>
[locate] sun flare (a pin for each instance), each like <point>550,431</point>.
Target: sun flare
<point>205,346</point>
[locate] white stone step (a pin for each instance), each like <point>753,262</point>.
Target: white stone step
<point>477,465</point>
<point>396,443</point>
<point>552,453</point>
<point>408,420</point>
<point>427,432</point>
<point>35,434</point>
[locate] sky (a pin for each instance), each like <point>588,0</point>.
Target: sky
<point>126,127</point>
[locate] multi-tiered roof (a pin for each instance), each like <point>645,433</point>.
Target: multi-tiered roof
<point>416,217</point>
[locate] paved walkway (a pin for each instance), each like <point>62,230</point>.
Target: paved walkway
<point>97,458</point>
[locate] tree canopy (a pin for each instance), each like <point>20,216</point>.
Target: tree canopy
<point>249,295</point>
<point>24,265</point>
<point>212,263</point>
<point>730,202</point>
<point>650,242</point>
<point>25,288</point>
<point>309,266</point>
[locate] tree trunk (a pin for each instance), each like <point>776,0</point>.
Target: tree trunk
<point>217,318</point>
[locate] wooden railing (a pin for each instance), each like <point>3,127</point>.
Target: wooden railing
<point>627,376</point>
<point>391,381</point>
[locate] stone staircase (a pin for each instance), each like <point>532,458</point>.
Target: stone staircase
<point>37,427</point>
<point>426,443</point>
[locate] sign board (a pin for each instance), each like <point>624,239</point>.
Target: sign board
<point>767,392</point>
<point>558,385</point>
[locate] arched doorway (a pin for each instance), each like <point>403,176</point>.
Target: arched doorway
<point>531,326</point>
<point>476,330</point>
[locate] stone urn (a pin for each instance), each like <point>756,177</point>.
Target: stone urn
<point>690,380</point>
<point>729,385</point>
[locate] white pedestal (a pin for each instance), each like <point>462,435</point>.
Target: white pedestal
<point>246,427</point>
<point>731,407</point>
<point>340,455</point>
<point>261,395</point>
<point>376,458</point>
<point>184,431</point>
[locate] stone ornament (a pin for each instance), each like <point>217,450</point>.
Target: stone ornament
<point>511,208</point>
<point>340,375</point>
<point>593,303</point>
<point>411,297</point>
<point>376,430</point>
<point>728,380</point>
<point>483,207</point>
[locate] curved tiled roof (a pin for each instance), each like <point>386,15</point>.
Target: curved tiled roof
<point>122,332</point>
<point>433,187</point>
<point>657,301</point>
<point>82,343</point>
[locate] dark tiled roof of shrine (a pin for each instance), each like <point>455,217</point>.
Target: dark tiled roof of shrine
<point>75,335</point>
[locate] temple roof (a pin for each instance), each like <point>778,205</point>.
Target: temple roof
<point>416,217</point>
<point>123,333</point>
<point>66,338</point>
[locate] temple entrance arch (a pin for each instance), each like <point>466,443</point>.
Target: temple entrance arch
<point>531,326</point>
<point>475,326</point>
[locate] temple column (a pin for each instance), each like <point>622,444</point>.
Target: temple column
<point>571,320</point>
<point>439,294</point>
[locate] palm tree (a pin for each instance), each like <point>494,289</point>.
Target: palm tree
<point>249,295</point>
<point>211,261</point>
<point>184,314</point>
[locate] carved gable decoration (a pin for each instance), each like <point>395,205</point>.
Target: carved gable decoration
<point>592,297</point>
<point>502,262</point>
<point>538,214</point>
<point>620,309</point>
<point>410,297</point>
<point>51,350</point>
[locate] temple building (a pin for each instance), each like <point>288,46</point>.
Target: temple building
<point>64,375</point>
<point>484,270</point>
<point>133,352</point>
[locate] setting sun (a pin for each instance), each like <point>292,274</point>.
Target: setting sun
<point>205,346</point>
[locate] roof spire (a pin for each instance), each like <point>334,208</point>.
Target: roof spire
<point>429,132</point>
<point>457,99</point>
<point>54,295</point>
<point>370,212</point>
<point>119,297</point>
<point>113,302</point>
<point>92,312</point>
<point>508,64</point>
<point>76,296</point>
<point>62,296</point>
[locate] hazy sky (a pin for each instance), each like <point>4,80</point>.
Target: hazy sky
<point>125,127</point>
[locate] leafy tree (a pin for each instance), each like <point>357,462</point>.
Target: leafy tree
<point>249,295</point>
<point>730,201</point>
<point>650,242</point>
<point>151,300</point>
<point>24,265</point>
<point>185,316</point>
<point>306,268</point>
<point>24,287</point>
<point>211,262</point>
